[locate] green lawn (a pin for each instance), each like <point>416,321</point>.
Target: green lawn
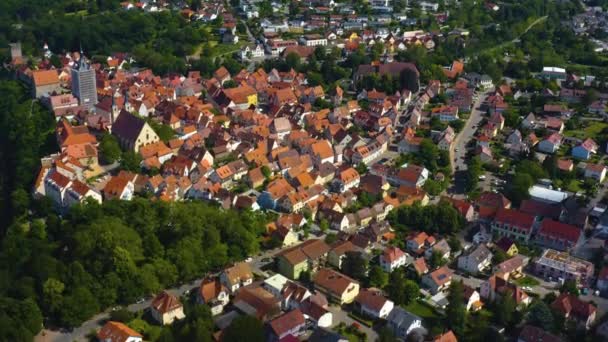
<point>573,186</point>
<point>220,49</point>
<point>422,310</point>
<point>591,130</point>
<point>527,281</point>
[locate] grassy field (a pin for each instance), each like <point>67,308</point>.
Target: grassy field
<point>591,130</point>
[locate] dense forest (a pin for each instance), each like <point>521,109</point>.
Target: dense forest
<point>27,132</point>
<point>157,40</point>
<point>67,269</point>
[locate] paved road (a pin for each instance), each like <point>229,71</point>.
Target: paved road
<point>458,150</point>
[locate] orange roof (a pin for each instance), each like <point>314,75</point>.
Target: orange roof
<point>115,186</point>
<point>156,149</point>
<point>349,175</point>
<point>322,149</point>
<point>45,77</point>
<point>305,180</point>
<point>447,337</point>
<point>116,332</point>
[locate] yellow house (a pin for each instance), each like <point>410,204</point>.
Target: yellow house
<point>133,132</point>
<point>338,287</point>
<point>305,257</point>
<point>507,245</point>
<point>252,99</point>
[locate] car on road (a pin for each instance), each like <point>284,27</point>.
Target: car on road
<point>482,177</point>
<point>250,259</point>
<point>141,300</point>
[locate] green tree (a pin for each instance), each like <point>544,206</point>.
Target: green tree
<point>456,311</point>
<point>122,315</point>
<point>505,309</point>
<point>245,328</point>
<point>570,287</point>
<point>355,265</point>
<point>437,260</point>
<point>400,289</point>
<point>109,148</point>
<point>408,79</point>
<point>361,168</point>
<point>229,84</point>
<point>293,60</point>
<point>499,256</point>
<point>331,238</point>
<point>520,186</point>
<point>266,172</point>
<point>377,277</point>
<point>131,161</point>
<point>540,315</point>
<point>78,306</point>
<point>52,291</point>
<point>164,132</point>
<point>455,244</point>
<point>324,225</point>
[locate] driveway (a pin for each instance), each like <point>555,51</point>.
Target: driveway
<point>341,316</point>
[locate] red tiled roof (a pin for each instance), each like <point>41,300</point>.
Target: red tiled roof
<point>515,217</point>
<point>45,77</point>
<point>559,230</point>
<point>371,298</point>
<point>165,302</point>
<point>569,304</point>
<point>392,253</point>
<point>287,322</point>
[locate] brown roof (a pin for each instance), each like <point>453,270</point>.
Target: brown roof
<point>510,265</point>
<point>343,247</point>
<point>210,289</point>
<point>239,272</point>
<point>371,298</point>
<point>569,304</point>
<point>263,302</point>
<point>45,77</point>
<point>311,249</point>
<point>333,281</point>
<point>165,302</point>
<point>287,322</point>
